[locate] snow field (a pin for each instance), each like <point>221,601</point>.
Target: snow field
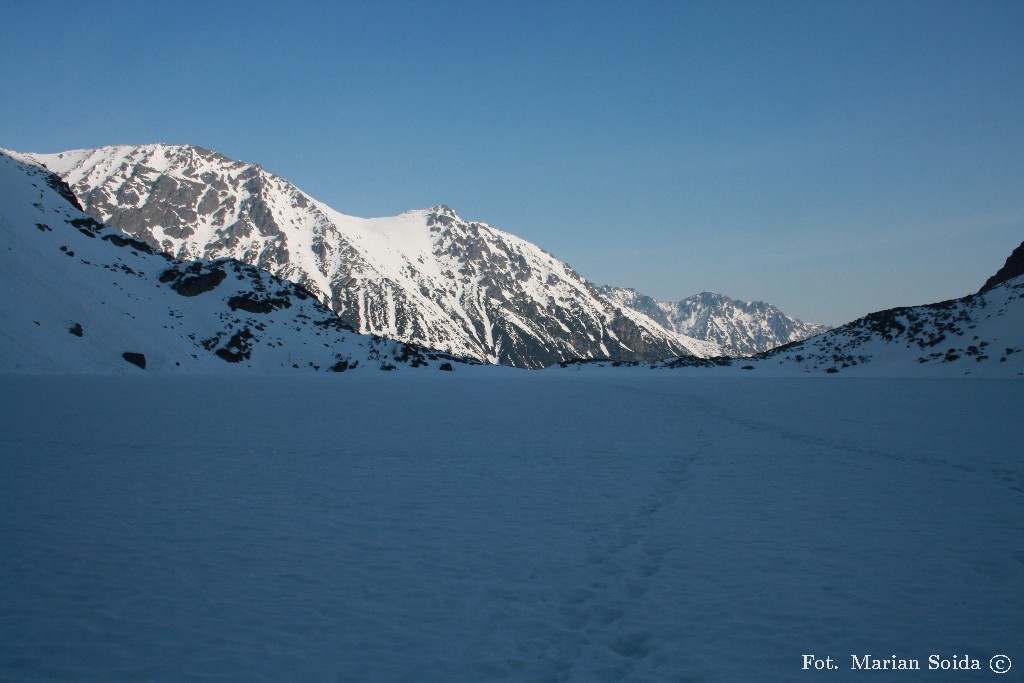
<point>527,527</point>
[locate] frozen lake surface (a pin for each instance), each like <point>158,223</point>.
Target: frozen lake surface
<point>514,527</point>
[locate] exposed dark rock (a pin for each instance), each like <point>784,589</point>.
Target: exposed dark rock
<point>76,330</point>
<point>135,358</point>
<point>43,227</point>
<point>1013,267</point>
<point>195,279</point>
<point>256,304</point>
<point>412,355</point>
<point>447,367</point>
<point>135,244</point>
<point>199,284</point>
<point>86,224</point>
<point>695,362</point>
<point>238,347</point>
<point>58,185</point>
<point>336,323</point>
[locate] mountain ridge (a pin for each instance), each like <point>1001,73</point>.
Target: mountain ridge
<point>740,328</point>
<point>1013,267</point>
<point>979,335</point>
<point>426,276</point>
<point>81,296</point>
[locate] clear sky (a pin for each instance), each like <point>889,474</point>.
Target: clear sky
<point>832,158</point>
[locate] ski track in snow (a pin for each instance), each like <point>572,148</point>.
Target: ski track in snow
<point>531,527</point>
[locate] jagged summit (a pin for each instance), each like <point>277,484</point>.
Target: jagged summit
<point>740,328</point>
<point>426,276</point>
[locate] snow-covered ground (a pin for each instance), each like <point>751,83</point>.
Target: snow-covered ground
<point>514,527</point>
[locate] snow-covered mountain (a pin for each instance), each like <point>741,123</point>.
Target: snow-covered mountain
<point>741,328</point>
<point>80,296</point>
<point>980,335</point>
<point>427,277</point>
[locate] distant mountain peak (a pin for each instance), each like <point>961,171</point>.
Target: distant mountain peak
<point>740,328</point>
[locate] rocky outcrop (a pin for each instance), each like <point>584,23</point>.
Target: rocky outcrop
<point>134,358</point>
<point>1013,267</point>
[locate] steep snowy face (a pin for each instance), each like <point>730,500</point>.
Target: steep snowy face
<point>80,296</point>
<point>740,328</point>
<point>427,277</point>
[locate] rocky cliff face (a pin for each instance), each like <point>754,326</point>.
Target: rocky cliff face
<point>1014,267</point>
<point>427,277</point>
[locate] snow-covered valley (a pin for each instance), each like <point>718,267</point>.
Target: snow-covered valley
<point>513,526</point>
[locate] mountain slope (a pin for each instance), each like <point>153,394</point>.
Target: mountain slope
<point>428,277</point>
<point>741,328</point>
<point>979,334</point>
<point>82,297</point>
<point>1014,267</point>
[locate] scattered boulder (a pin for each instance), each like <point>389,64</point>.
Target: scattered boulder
<point>119,241</point>
<point>257,304</point>
<point>135,358</point>
<point>195,279</point>
<point>238,347</point>
<point>77,330</point>
<point>87,226</point>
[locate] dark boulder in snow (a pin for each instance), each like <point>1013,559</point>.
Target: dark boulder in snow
<point>239,347</point>
<point>257,304</point>
<point>196,279</point>
<point>121,241</point>
<point>135,358</point>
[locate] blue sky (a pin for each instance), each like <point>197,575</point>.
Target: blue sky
<point>833,158</point>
